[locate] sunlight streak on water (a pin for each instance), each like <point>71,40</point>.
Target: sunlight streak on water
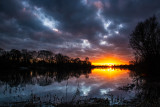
<point>110,73</point>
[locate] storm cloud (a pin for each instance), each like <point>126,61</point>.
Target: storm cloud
<point>78,28</point>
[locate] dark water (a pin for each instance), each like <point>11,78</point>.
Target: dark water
<point>65,86</point>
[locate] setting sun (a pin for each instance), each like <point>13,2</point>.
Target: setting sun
<point>109,61</point>
<point>107,64</point>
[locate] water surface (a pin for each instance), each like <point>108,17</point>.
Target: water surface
<point>24,86</point>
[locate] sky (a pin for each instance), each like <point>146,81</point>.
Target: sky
<point>98,29</point>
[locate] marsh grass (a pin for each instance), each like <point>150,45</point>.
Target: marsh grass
<point>76,101</point>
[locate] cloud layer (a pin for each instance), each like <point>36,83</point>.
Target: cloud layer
<point>78,28</point>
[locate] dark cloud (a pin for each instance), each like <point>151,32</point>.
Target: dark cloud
<point>72,15</point>
<point>78,28</point>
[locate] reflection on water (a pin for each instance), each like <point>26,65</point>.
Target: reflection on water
<point>64,85</point>
<point>110,73</point>
<point>147,86</point>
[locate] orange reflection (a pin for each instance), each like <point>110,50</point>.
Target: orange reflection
<point>109,72</point>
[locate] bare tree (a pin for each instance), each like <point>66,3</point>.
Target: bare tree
<point>145,40</point>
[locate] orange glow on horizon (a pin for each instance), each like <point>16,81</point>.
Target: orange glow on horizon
<point>109,61</point>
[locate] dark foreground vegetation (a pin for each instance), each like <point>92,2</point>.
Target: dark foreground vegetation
<point>42,59</point>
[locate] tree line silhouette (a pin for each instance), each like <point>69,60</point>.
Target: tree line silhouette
<point>16,77</point>
<point>39,59</point>
<point>145,40</point>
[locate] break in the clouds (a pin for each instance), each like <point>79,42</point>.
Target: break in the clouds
<point>77,28</point>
